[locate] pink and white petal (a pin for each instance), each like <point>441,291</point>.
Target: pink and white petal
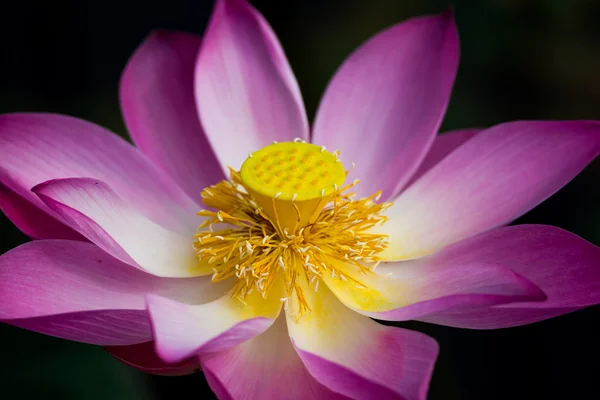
<point>31,220</point>
<point>143,357</point>
<point>264,367</point>
<point>411,289</point>
<point>76,291</point>
<point>357,357</point>
<point>157,99</point>
<point>182,330</point>
<point>38,147</point>
<point>384,106</point>
<point>489,181</point>
<point>246,93</point>
<point>94,210</point>
<point>443,145</point>
<point>563,265</point>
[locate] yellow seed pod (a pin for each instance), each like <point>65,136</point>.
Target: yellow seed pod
<point>292,181</point>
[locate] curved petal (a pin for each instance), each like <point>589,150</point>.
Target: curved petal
<point>182,330</point>
<point>157,98</point>
<point>95,211</point>
<point>38,147</point>
<point>76,291</point>
<point>240,372</point>
<point>143,357</point>
<point>443,145</point>
<point>492,179</point>
<point>563,265</point>
<point>246,93</point>
<point>355,356</point>
<point>412,289</point>
<point>385,104</point>
<point>31,220</point>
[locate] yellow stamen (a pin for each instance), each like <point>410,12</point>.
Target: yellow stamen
<point>292,181</point>
<point>264,228</point>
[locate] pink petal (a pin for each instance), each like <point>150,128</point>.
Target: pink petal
<point>94,210</point>
<point>157,98</point>
<point>411,289</point>
<point>143,357</point>
<point>245,90</point>
<point>76,291</point>
<point>182,330</point>
<point>265,367</point>
<point>385,104</point>
<point>32,220</point>
<point>443,145</point>
<point>39,147</point>
<point>563,265</point>
<point>492,179</point>
<point>355,356</point>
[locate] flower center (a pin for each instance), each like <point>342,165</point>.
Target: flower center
<point>286,215</point>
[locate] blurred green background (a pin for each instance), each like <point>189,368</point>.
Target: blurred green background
<point>519,60</point>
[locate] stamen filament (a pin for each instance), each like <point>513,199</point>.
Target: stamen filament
<point>255,252</point>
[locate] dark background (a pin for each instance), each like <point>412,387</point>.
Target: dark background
<point>519,60</point>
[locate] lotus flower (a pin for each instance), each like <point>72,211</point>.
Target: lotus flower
<point>268,281</point>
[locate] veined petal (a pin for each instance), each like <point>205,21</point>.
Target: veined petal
<point>157,98</point>
<point>563,265</point>
<point>355,356</point>
<point>143,357</point>
<point>95,211</point>
<point>76,291</point>
<point>443,145</point>
<point>182,330</point>
<point>32,220</point>
<point>265,367</point>
<point>38,147</point>
<point>385,104</point>
<point>492,179</point>
<point>246,93</point>
<point>411,289</point>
